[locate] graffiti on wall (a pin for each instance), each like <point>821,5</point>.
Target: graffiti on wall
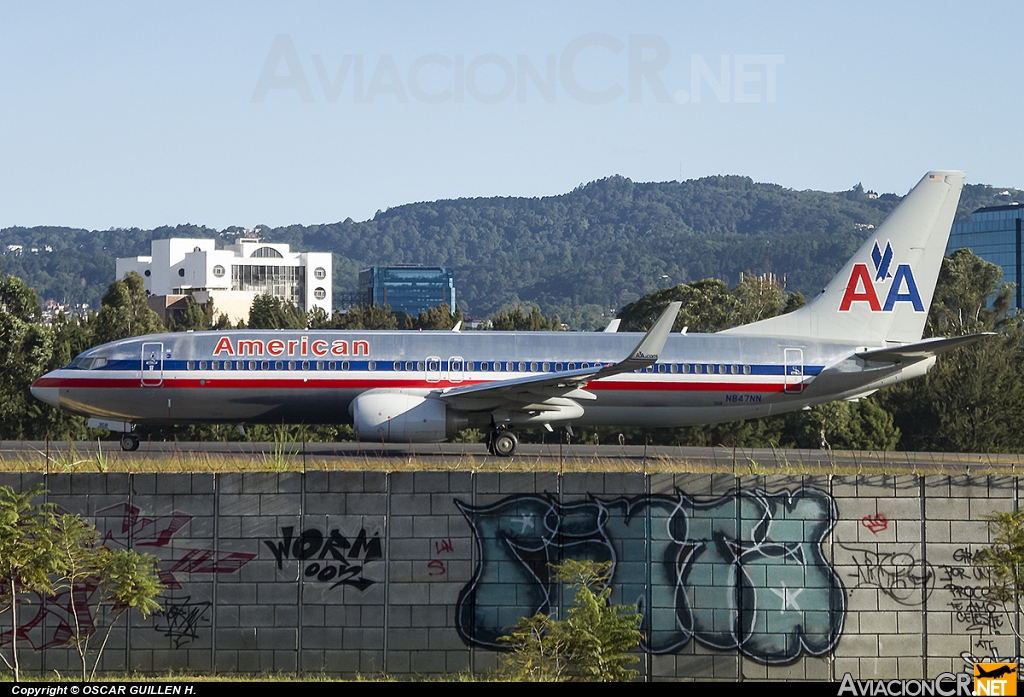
<point>901,576</point>
<point>180,619</point>
<point>51,620</point>
<point>972,606</point>
<point>331,558</point>
<point>741,572</point>
<point>440,550</point>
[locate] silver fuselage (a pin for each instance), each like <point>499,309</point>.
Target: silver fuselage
<point>313,376</point>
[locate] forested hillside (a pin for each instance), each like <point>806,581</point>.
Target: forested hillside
<point>581,255</point>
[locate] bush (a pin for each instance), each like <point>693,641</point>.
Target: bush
<point>592,643</point>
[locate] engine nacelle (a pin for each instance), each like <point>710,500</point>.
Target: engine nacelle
<point>397,416</point>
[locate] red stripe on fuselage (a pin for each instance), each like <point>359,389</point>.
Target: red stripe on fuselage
<point>365,384</point>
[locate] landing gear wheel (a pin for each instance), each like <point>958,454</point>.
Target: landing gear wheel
<point>505,444</point>
<point>129,442</point>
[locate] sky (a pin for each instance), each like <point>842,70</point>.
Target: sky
<point>245,113</point>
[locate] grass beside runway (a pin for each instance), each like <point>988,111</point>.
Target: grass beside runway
<point>161,457</point>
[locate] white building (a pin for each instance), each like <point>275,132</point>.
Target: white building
<point>232,277</point>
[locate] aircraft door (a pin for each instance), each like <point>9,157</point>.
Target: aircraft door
<point>456,369</point>
<point>794,370</point>
<point>152,364</point>
<point>433,369</point>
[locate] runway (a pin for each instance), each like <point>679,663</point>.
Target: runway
<point>55,455</point>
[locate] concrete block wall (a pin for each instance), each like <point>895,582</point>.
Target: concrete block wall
<point>760,577</point>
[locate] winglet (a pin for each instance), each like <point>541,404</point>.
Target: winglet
<point>649,348</point>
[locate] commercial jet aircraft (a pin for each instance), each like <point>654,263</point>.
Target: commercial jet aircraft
<point>862,332</point>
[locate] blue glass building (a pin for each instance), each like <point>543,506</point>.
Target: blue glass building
<point>994,234</point>
<point>408,289</point>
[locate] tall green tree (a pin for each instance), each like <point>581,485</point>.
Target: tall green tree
<point>517,319</point>
<point>366,317</point>
<point>862,425</point>
<point>26,350</point>
<point>195,317</point>
<point>116,580</point>
<point>440,317</point>
<point>124,312</point>
<point>28,557</point>
<point>973,399</point>
<point>269,312</point>
<point>1003,565</point>
<point>710,305</point>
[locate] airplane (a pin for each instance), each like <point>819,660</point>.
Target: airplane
<point>861,333</point>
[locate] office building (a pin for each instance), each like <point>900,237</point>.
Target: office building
<point>232,277</point>
<point>994,234</point>
<point>407,289</point>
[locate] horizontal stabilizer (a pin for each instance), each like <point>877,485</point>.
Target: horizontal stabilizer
<point>921,350</point>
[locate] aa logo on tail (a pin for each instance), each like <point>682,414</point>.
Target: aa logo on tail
<point>863,288</point>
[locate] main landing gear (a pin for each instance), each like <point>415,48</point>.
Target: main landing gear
<point>502,443</point>
<point>130,442</point>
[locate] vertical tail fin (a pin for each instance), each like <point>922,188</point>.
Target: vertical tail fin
<point>883,293</point>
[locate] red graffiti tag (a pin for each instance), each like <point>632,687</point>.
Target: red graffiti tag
<point>875,523</point>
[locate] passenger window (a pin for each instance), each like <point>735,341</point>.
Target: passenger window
<point>265,365</point>
<point>746,370</point>
<point>558,367</point>
<point>278,365</point>
<point>319,365</point>
<point>344,365</point>
<point>202,365</point>
<point>372,365</point>
<point>190,365</point>
<point>398,365</point>
<point>252,365</point>
<point>533,367</point>
<point>305,365</point>
<point>734,369</point>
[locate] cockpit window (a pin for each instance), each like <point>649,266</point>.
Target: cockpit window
<point>91,363</point>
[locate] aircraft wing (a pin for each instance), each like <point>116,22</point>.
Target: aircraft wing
<point>566,383</point>
<point>921,350</point>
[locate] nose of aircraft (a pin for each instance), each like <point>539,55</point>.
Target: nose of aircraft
<point>45,393</point>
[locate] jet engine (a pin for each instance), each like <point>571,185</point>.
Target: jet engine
<point>397,416</point>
